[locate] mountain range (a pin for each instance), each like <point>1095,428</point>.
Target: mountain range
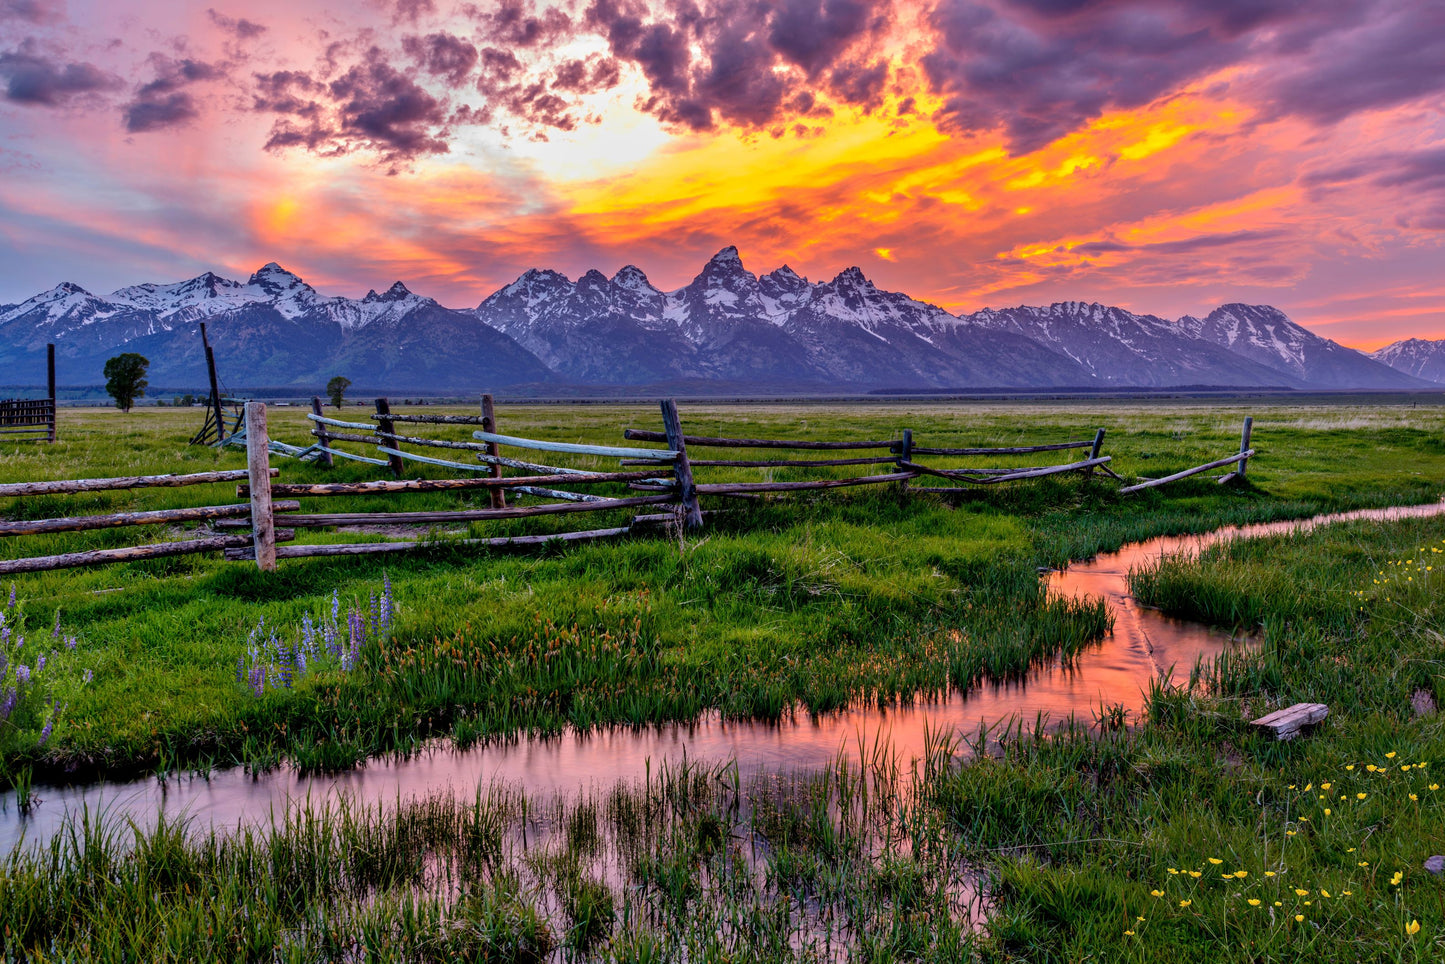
<point>727,328</point>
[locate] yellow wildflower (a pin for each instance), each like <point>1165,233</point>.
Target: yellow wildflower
<point>1301,892</point>
<point>1254,902</point>
<point>1156,893</point>
<point>1185,903</point>
<point>1299,918</point>
<point>1215,860</point>
<point>1412,928</point>
<point>1241,874</point>
<point>1390,755</point>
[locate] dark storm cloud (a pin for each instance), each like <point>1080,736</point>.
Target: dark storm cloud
<point>411,10</point>
<point>1395,56</point>
<point>1038,69</point>
<point>371,107</point>
<point>164,101</point>
<point>442,55</point>
<point>33,77</point>
<point>738,61</point>
<point>240,28</point>
<point>518,23</point>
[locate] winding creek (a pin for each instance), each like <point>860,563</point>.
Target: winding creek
<point>1142,645</point>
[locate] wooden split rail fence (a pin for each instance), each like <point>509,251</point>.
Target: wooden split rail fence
<point>663,477</point>
<point>33,419</point>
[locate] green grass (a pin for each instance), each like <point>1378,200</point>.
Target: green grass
<point>816,603</point>
<point>794,606</point>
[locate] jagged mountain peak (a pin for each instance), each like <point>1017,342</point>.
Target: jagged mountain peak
<point>632,278</point>
<point>271,277</point>
<point>728,256</point>
<point>852,277</point>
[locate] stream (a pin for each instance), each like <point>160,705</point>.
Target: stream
<point>1143,645</point>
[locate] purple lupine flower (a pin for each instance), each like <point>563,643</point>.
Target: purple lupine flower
<point>40,663</point>
<point>22,673</point>
<point>55,633</point>
<point>240,670</point>
<point>12,596</point>
<point>45,730</point>
<point>70,642</point>
<point>5,635</point>
<point>386,601</point>
<point>258,680</point>
<point>7,704</point>
<point>89,675</point>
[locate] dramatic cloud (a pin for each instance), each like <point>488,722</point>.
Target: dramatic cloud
<point>370,107</point>
<point>411,10</point>
<point>241,29</point>
<point>442,55</point>
<point>31,77</point>
<point>164,102</point>
<point>1416,180</point>
<point>738,62</point>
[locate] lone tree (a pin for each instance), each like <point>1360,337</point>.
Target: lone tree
<point>125,379</point>
<point>336,388</point>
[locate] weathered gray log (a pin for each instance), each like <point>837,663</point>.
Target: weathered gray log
<point>50,387</point>
<point>344,437</point>
<point>1009,450</point>
<point>297,490</point>
<point>356,458</point>
<point>69,560</point>
<point>1187,472</point>
<point>767,463</point>
<point>69,486</point>
<point>115,520</point>
<point>737,488</point>
<point>326,519</point>
<point>320,432</point>
<point>557,494</point>
<point>391,452</point>
<point>489,424</point>
<point>638,435</point>
<point>686,487</point>
<point>439,419</point>
<point>1287,723</point>
<point>384,426</point>
<point>964,475</point>
<point>378,548</point>
<point>258,461</point>
<point>337,423</point>
<point>574,448</point>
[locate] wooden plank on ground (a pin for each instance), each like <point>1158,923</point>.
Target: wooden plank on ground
<point>1287,723</point>
<point>639,435</point>
<point>380,548</point>
<point>1188,472</point>
<point>115,520</point>
<point>68,486</point>
<point>324,519</point>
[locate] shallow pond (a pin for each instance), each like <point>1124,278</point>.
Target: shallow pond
<point>1143,645</point>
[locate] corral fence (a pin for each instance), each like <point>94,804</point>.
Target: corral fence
<point>664,479</point>
<point>32,419</point>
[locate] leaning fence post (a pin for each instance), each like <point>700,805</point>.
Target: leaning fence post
<point>258,465</point>
<point>385,428</point>
<point>687,489</point>
<point>318,429</point>
<point>1094,453</point>
<point>489,424</point>
<point>1244,444</point>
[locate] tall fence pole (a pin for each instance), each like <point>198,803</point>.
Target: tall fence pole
<point>905,454</point>
<point>687,489</point>
<point>318,429</point>
<point>1244,444</point>
<point>1094,453</point>
<point>384,427</point>
<point>489,424</point>
<point>258,465</point>
<point>50,387</point>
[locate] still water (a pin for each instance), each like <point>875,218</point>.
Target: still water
<point>1143,645</point>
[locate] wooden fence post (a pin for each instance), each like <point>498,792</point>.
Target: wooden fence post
<point>489,424</point>
<point>50,387</point>
<point>258,465</point>
<point>385,427</point>
<point>687,489</point>
<point>215,386</point>
<point>318,429</point>
<point>1094,453</point>
<point>1244,444</point>
<point>905,454</point>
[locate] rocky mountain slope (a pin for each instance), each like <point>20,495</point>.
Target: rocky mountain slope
<point>727,327</point>
<point>1419,357</point>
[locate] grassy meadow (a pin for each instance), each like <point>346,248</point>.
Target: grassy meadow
<point>1095,845</point>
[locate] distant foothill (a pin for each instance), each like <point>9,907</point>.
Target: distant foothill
<point>727,330</point>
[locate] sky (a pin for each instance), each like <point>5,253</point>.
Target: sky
<point>1165,156</point>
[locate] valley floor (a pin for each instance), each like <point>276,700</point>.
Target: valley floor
<point>1105,842</point>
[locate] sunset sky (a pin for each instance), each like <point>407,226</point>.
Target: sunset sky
<point>1162,156</point>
